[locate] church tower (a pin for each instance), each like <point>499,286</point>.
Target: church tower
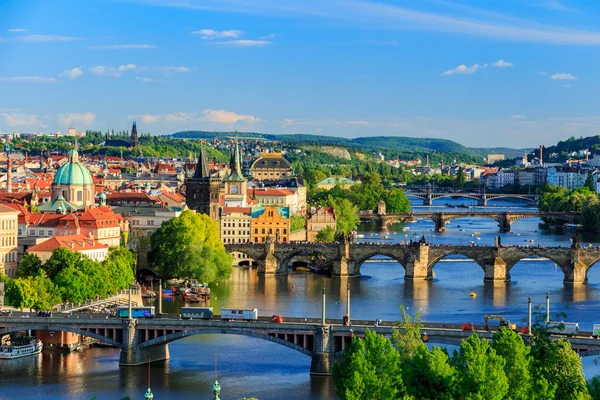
<point>134,135</point>
<point>235,183</point>
<point>202,190</point>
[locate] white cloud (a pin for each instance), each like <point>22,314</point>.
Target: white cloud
<point>502,64</point>
<point>566,86</point>
<point>226,117</point>
<point>473,22</point>
<point>123,47</point>
<point>168,70</point>
<point>77,118</point>
<point>180,117</point>
<point>209,34</point>
<point>464,70</point>
<point>149,118</point>
<point>39,79</point>
<point>72,73</point>
<point>102,70</point>
<point>244,43</point>
<point>517,116</point>
<point>45,38</point>
<point>128,67</point>
<point>563,77</point>
<point>270,36</point>
<point>146,79</point>
<point>16,30</point>
<point>28,120</point>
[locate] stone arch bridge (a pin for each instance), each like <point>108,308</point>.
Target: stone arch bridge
<point>482,198</point>
<point>440,219</point>
<point>418,260</point>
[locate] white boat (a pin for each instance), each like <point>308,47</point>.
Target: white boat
<point>20,348</point>
<point>360,236</point>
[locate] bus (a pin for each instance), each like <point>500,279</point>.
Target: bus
<point>563,328</point>
<point>229,314</point>
<point>196,312</point>
<point>136,312</point>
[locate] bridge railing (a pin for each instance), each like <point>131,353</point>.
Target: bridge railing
<point>98,301</point>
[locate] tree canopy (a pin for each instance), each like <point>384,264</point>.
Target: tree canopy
<point>189,246</point>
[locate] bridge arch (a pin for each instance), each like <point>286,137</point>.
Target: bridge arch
<point>285,259</point>
<point>456,195</point>
<point>433,262</point>
<point>360,260</point>
<point>226,331</point>
<point>63,328</point>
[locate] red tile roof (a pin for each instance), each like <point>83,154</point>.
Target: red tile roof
<point>71,242</point>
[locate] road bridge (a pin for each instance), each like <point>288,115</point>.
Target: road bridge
<point>440,219</point>
<point>143,340</point>
<point>418,259</point>
<point>482,198</point>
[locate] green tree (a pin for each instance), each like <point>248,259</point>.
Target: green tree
<point>396,201</point>
<point>121,267</point>
<point>480,371</point>
<point>29,266</point>
<point>370,369</point>
<point>460,177</point>
<point>589,182</point>
<point>20,293</point>
<point>594,387</point>
<point>346,215</point>
<point>47,294</point>
<point>297,223</point>
<point>74,284</point>
<point>61,258</point>
<point>326,235</point>
<point>173,246</point>
<point>510,346</point>
<point>429,375</point>
<point>559,365</point>
<point>407,338</point>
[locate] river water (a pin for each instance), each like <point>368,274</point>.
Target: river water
<point>252,367</point>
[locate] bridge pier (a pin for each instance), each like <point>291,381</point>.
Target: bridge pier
<point>322,353</point>
<point>440,224</point>
<point>417,268</point>
<point>496,271</point>
<point>576,273</point>
<point>132,354</point>
<point>482,202</point>
<point>504,222</point>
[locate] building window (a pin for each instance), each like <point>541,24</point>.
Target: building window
<point>256,231</point>
<point>79,195</point>
<point>42,232</point>
<point>32,232</point>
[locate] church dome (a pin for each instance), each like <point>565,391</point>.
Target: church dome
<point>73,172</point>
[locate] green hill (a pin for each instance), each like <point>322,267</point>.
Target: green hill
<point>592,143</point>
<point>388,145</point>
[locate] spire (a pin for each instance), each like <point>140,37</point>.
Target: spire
<point>134,135</point>
<point>202,169</point>
<point>235,164</point>
<point>148,395</point>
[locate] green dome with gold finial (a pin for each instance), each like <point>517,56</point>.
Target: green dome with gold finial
<point>73,172</point>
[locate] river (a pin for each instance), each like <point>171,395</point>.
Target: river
<point>252,367</point>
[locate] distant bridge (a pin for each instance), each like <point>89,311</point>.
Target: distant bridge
<point>505,219</point>
<point>143,340</point>
<point>418,260</point>
<point>482,198</point>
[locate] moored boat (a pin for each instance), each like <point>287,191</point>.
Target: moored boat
<point>21,347</point>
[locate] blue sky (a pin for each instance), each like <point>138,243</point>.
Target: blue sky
<point>509,73</point>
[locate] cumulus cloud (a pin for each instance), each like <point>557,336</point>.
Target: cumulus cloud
<point>244,43</point>
<point>563,77</point>
<point>209,34</point>
<point>105,71</point>
<point>226,117</point>
<point>464,70</point>
<point>28,120</point>
<point>128,67</point>
<point>502,64</point>
<point>173,69</point>
<point>77,118</point>
<point>123,47</point>
<point>72,73</point>
<point>36,79</point>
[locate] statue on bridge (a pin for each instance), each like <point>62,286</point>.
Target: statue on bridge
<point>423,240</point>
<point>576,241</point>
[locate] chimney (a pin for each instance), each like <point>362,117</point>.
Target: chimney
<point>541,158</point>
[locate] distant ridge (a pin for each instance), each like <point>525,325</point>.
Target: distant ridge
<point>372,143</point>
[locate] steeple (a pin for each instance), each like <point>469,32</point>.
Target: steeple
<point>134,135</point>
<point>235,164</point>
<point>202,168</point>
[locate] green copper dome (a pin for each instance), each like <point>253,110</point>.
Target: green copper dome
<point>73,172</point>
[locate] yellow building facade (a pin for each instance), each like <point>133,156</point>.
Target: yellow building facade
<point>273,222</point>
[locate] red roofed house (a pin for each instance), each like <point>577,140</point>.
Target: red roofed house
<point>275,197</point>
<point>78,243</point>
<point>172,199</point>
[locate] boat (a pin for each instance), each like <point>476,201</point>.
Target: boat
<point>22,347</point>
<point>360,236</point>
<point>409,220</point>
<point>473,294</point>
